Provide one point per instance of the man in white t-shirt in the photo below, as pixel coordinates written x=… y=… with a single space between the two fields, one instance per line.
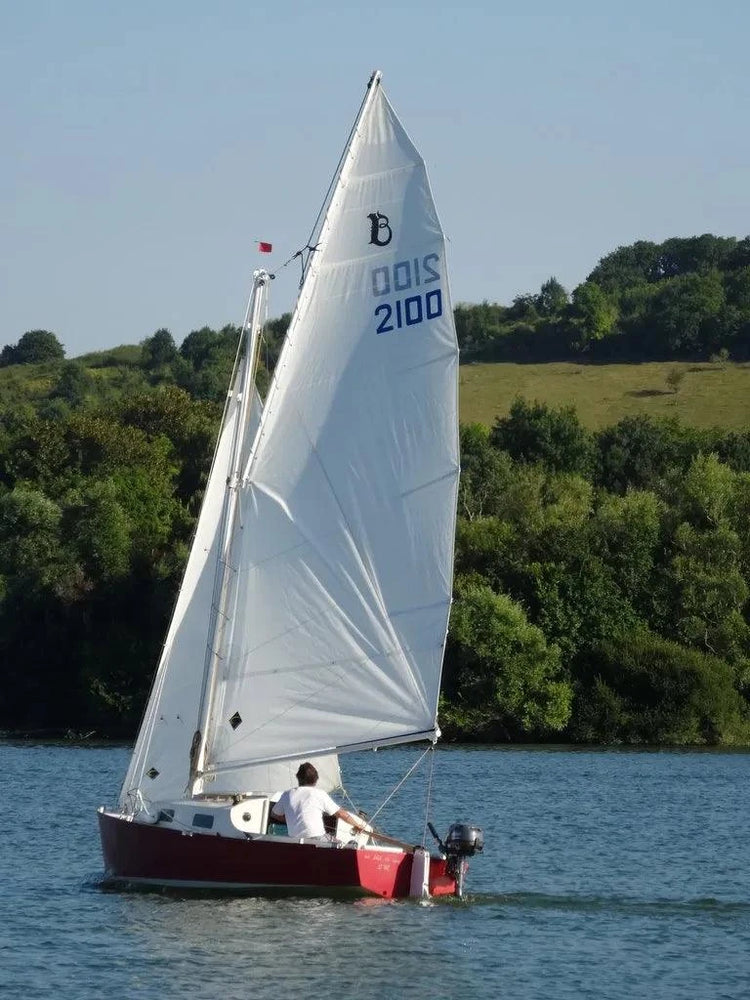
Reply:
x=302 y=808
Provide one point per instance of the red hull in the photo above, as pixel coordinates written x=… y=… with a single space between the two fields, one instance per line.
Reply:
x=135 y=852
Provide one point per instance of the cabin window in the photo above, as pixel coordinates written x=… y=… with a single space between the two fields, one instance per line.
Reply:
x=203 y=820
x=166 y=816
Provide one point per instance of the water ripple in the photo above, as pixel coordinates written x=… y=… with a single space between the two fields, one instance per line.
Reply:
x=605 y=875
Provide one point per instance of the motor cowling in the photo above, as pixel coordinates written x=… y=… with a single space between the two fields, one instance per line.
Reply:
x=463 y=840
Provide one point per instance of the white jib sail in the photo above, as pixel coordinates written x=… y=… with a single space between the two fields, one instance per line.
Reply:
x=159 y=767
x=344 y=540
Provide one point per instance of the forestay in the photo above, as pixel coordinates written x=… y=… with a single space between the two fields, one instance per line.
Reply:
x=344 y=535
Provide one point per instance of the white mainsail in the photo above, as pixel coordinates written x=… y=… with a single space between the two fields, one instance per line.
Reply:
x=340 y=535
x=344 y=539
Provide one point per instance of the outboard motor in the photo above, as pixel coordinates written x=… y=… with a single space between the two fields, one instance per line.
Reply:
x=462 y=841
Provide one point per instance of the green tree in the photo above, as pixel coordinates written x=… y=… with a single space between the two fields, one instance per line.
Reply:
x=190 y=425
x=711 y=591
x=738 y=517
x=98 y=529
x=552 y=298
x=535 y=432
x=683 y=315
x=159 y=349
x=638 y=451
x=37 y=453
x=209 y=357
x=30 y=543
x=578 y=602
x=502 y=675
x=653 y=262
x=199 y=346
x=34 y=346
x=524 y=307
x=274 y=333
x=702 y=494
x=486 y=474
x=640 y=688
x=73 y=384
x=626 y=534
x=693 y=255
x=675 y=378
x=480 y=326
x=706 y=588
x=626 y=266
x=592 y=315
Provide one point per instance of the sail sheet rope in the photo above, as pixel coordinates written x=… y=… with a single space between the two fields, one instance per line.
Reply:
x=428 y=797
x=388 y=798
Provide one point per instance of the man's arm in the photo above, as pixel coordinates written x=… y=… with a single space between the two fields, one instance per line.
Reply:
x=277 y=812
x=355 y=821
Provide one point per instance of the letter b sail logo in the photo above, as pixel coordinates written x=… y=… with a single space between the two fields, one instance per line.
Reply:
x=380 y=231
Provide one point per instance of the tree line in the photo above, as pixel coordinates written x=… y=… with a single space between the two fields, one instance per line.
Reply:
x=602 y=578
x=602 y=582
x=683 y=298
x=103 y=461
x=601 y=588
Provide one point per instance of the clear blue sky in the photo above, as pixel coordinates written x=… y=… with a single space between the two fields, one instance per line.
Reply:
x=145 y=146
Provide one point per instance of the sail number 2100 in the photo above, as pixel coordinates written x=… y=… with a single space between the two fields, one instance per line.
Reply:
x=403 y=276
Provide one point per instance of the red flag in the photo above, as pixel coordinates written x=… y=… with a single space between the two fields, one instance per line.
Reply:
x=265 y=247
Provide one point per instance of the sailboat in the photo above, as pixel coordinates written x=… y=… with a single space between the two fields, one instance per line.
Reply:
x=312 y=616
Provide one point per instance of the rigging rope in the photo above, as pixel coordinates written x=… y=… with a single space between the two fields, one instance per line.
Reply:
x=303 y=261
x=408 y=773
x=428 y=799
x=311 y=247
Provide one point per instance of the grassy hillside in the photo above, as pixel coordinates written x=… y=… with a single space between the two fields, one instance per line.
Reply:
x=708 y=395
x=110 y=373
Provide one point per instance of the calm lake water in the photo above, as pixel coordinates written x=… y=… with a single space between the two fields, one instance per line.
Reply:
x=605 y=875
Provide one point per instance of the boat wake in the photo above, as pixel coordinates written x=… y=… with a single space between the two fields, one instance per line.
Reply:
x=659 y=907
x=616 y=905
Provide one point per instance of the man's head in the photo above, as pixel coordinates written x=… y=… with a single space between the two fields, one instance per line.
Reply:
x=307 y=774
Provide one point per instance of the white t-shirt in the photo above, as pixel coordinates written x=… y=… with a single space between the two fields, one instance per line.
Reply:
x=303 y=809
